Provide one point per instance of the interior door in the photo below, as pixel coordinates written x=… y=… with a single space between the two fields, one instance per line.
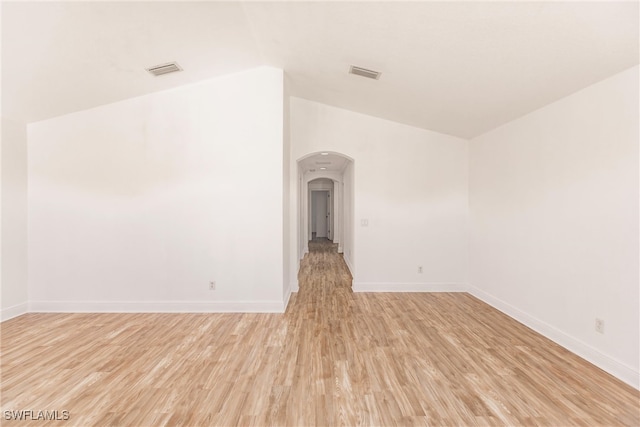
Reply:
x=320 y=209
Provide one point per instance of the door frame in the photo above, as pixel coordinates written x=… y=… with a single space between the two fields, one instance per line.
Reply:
x=330 y=208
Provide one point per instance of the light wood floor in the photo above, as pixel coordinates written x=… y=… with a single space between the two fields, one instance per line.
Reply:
x=335 y=358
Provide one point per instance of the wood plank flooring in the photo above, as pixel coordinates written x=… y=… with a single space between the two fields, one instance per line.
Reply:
x=334 y=358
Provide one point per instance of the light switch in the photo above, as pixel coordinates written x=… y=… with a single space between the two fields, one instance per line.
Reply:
x=364 y=222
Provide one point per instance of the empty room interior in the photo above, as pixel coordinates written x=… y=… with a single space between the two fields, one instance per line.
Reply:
x=320 y=213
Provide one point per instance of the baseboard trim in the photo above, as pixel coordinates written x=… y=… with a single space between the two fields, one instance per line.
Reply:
x=409 y=287
x=349 y=266
x=608 y=364
x=14 y=311
x=287 y=297
x=156 y=306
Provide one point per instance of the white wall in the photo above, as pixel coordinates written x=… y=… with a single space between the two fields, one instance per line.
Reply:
x=349 y=219
x=13 y=274
x=137 y=205
x=554 y=208
x=411 y=186
x=287 y=215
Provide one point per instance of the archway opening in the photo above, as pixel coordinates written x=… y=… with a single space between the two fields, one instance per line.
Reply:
x=321 y=210
x=325 y=202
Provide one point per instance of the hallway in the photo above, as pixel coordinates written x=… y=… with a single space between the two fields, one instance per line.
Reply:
x=323 y=271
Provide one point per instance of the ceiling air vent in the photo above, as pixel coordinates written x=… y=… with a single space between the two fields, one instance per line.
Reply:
x=170 y=67
x=359 y=71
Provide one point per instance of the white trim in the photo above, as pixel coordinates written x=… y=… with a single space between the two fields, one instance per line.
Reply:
x=295 y=287
x=348 y=262
x=616 y=368
x=157 y=306
x=409 y=287
x=287 y=297
x=340 y=249
x=13 y=311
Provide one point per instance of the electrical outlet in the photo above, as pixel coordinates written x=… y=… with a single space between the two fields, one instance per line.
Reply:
x=600 y=326
x=420 y=269
x=212 y=286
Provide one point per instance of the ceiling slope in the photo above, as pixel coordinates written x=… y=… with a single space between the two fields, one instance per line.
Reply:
x=460 y=68
x=60 y=57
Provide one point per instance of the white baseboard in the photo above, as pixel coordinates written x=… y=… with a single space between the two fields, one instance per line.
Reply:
x=157 y=306
x=13 y=311
x=408 y=287
x=616 y=368
x=349 y=266
x=287 y=296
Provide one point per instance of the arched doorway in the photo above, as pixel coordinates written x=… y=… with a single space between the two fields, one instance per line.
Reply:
x=322 y=209
x=327 y=175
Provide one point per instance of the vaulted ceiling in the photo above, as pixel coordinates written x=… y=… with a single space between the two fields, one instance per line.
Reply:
x=460 y=68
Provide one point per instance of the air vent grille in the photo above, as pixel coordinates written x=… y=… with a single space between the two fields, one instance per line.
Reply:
x=363 y=72
x=170 y=67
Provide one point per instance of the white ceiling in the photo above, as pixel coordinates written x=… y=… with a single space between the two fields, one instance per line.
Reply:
x=330 y=162
x=460 y=68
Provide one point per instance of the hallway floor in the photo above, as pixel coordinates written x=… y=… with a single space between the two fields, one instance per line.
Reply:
x=334 y=358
